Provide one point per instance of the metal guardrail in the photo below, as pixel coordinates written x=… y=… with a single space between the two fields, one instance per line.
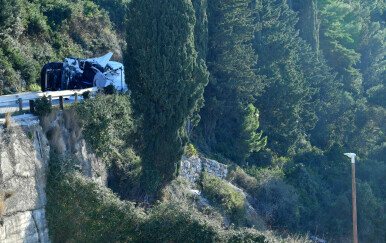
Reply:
x=19 y=99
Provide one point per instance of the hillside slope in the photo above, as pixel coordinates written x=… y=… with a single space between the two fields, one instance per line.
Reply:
x=33 y=33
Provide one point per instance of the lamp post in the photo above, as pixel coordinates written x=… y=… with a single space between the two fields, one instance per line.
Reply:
x=354 y=203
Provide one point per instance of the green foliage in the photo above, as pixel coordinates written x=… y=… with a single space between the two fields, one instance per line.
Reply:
x=225 y=196
x=275 y=200
x=38 y=32
x=190 y=151
x=80 y=210
x=167 y=79
x=43 y=106
x=109 y=89
x=108 y=128
x=107 y=124
x=246 y=235
x=339 y=37
x=246 y=139
x=117 y=10
x=234 y=83
x=174 y=222
x=287 y=107
x=86 y=95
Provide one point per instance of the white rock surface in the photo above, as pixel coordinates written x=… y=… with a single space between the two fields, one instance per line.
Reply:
x=191 y=168
x=24 y=157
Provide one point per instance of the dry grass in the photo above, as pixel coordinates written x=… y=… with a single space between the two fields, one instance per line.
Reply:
x=3 y=197
x=7 y=123
x=72 y=122
x=47 y=121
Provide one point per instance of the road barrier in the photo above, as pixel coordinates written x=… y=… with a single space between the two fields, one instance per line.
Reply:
x=16 y=100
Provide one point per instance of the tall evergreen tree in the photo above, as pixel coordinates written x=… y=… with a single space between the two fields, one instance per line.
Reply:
x=309 y=23
x=234 y=82
x=166 y=81
x=287 y=106
x=339 y=37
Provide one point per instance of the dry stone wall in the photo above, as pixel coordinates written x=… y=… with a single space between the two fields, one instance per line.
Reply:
x=191 y=168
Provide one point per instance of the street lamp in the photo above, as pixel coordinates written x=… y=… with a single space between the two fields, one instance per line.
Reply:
x=354 y=203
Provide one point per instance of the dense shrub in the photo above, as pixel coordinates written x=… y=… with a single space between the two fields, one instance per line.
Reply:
x=246 y=235
x=86 y=95
x=107 y=124
x=242 y=179
x=80 y=210
x=109 y=130
x=110 y=89
x=271 y=196
x=225 y=196
x=43 y=106
x=173 y=222
x=190 y=151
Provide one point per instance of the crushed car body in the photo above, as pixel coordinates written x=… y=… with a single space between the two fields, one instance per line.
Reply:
x=75 y=73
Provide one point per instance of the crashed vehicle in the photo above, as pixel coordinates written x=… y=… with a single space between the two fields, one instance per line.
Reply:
x=75 y=73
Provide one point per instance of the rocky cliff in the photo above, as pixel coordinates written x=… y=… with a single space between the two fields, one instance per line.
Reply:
x=24 y=158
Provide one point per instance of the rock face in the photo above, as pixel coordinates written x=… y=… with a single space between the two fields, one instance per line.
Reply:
x=23 y=171
x=191 y=168
x=24 y=158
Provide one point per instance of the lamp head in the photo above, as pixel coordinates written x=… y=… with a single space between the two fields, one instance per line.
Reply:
x=352 y=156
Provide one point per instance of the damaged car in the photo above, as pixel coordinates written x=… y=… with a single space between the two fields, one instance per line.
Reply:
x=75 y=73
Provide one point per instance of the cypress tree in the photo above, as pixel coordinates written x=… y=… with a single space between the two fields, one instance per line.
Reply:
x=166 y=82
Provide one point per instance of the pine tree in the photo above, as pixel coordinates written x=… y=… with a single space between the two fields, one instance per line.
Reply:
x=309 y=21
x=166 y=82
x=339 y=37
x=234 y=82
x=287 y=106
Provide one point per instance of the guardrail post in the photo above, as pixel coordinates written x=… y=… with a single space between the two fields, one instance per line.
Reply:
x=61 y=102
x=76 y=97
x=20 y=104
x=32 y=106
x=50 y=98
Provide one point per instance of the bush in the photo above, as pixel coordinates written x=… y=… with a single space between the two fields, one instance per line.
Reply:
x=86 y=95
x=274 y=199
x=109 y=89
x=107 y=124
x=109 y=130
x=43 y=106
x=242 y=179
x=175 y=222
x=80 y=210
x=190 y=151
x=245 y=235
x=224 y=196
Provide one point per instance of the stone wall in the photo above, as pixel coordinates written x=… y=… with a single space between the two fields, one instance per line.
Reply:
x=191 y=168
x=24 y=157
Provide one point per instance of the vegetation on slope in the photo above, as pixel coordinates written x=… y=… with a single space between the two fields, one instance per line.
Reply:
x=292 y=86
x=33 y=33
